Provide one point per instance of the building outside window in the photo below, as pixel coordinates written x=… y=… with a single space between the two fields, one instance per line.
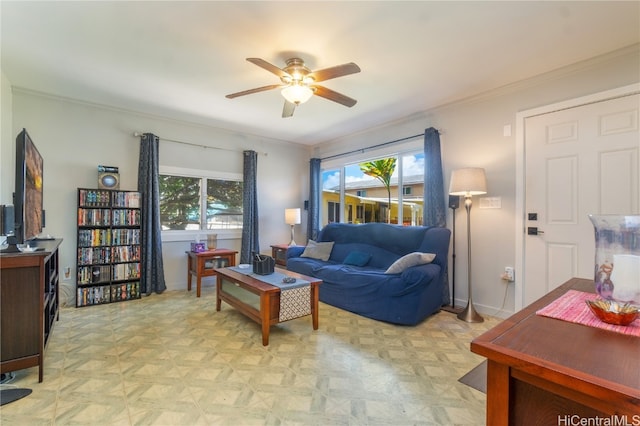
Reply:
x=370 y=196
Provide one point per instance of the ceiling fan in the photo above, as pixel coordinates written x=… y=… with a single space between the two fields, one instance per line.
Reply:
x=299 y=83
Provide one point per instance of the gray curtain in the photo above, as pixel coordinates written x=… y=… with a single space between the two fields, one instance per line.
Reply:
x=152 y=267
x=250 y=240
x=434 y=213
x=315 y=192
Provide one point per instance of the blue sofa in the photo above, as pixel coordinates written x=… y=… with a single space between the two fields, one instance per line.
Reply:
x=399 y=298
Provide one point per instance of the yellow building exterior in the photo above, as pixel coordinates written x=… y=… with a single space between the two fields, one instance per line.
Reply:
x=367 y=201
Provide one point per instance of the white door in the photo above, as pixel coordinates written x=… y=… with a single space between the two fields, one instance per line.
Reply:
x=578 y=161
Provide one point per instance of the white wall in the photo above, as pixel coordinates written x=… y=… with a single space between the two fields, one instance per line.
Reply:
x=7 y=147
x=75 y=137
x=472 y=135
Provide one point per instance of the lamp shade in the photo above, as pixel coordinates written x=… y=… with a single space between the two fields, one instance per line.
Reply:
x=468 y=181
x=292 y=216
x=297 y=93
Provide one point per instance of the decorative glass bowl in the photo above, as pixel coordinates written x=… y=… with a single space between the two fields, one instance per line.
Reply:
x=612 y=312
x=617 y=259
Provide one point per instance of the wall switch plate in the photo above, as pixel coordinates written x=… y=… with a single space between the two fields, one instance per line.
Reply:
x=490 y=203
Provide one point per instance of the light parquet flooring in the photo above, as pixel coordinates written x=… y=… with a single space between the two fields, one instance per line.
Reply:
x=171 y=359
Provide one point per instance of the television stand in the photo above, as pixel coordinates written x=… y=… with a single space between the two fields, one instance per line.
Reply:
x=29 y=306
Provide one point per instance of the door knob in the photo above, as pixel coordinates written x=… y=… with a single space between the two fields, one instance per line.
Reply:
x=532 y=230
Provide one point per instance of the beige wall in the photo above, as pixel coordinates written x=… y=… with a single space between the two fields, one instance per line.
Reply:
x=7 y=147
x=472 y=134
x=75 y=137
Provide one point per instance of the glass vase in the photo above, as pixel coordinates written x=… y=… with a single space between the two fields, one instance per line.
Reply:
x=617 y=260
x=212 y=241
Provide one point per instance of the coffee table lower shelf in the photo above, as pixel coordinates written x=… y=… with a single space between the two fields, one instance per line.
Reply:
x=257 y=299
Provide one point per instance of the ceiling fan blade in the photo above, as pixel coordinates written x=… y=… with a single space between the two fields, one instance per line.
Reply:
x=288 y=109
x=333 y=72
x=256 y=90
x=269 y=67
x=323 y=92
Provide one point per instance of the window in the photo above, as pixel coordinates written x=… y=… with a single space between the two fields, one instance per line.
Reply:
x=333 y=214
x=179 y=202
x=360 y=214
x=330 y=211
x=224 y=204
x=192 y=200
x=385 y=189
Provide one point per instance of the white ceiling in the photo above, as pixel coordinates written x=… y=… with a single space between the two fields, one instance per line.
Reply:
x=180 y=59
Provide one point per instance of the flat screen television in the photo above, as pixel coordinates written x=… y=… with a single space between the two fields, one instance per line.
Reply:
x=28 y=196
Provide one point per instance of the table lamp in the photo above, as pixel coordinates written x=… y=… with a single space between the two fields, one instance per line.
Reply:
x=292 y=217
x=467 y=182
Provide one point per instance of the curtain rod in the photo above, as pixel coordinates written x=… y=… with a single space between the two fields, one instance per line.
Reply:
x=362 y=150
x=139 y=134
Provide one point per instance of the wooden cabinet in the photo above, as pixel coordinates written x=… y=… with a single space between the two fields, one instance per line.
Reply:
x=203 y=264
x=29 y=304
x=109 y=250
x=279 y=253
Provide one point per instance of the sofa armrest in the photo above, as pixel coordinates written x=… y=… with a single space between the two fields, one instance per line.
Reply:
x=419 y=275
x=295 y=251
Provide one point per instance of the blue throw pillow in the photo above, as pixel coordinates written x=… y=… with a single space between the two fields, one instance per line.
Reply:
x=357 y=258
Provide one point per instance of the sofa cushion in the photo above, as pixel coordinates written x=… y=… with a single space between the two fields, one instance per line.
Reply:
x=317 y=250
x=305 y=265
x=409 y=260
x=357 y=258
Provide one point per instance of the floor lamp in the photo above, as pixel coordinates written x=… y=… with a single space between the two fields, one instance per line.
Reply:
x=454 y=203
x=292 y=217
x=467 y=182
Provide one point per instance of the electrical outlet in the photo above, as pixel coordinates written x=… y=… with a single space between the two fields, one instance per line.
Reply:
x=67 y=273
x=509 y=274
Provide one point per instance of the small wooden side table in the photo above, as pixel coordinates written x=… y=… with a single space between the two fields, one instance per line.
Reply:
x=203 y=264
x=279 y=253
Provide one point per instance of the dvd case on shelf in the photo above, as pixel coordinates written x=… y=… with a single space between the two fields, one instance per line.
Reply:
x=108 y=250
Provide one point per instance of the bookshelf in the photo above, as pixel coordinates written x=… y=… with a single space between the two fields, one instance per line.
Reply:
x=109 y=251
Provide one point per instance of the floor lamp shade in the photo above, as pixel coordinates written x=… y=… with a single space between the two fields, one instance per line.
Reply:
x=292 y=217
x=467 y=182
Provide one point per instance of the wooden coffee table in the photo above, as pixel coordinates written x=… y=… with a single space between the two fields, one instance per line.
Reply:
x=258 y=299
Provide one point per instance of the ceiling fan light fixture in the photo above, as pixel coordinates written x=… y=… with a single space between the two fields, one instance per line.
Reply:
x=297 y=93
x=298 y=83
